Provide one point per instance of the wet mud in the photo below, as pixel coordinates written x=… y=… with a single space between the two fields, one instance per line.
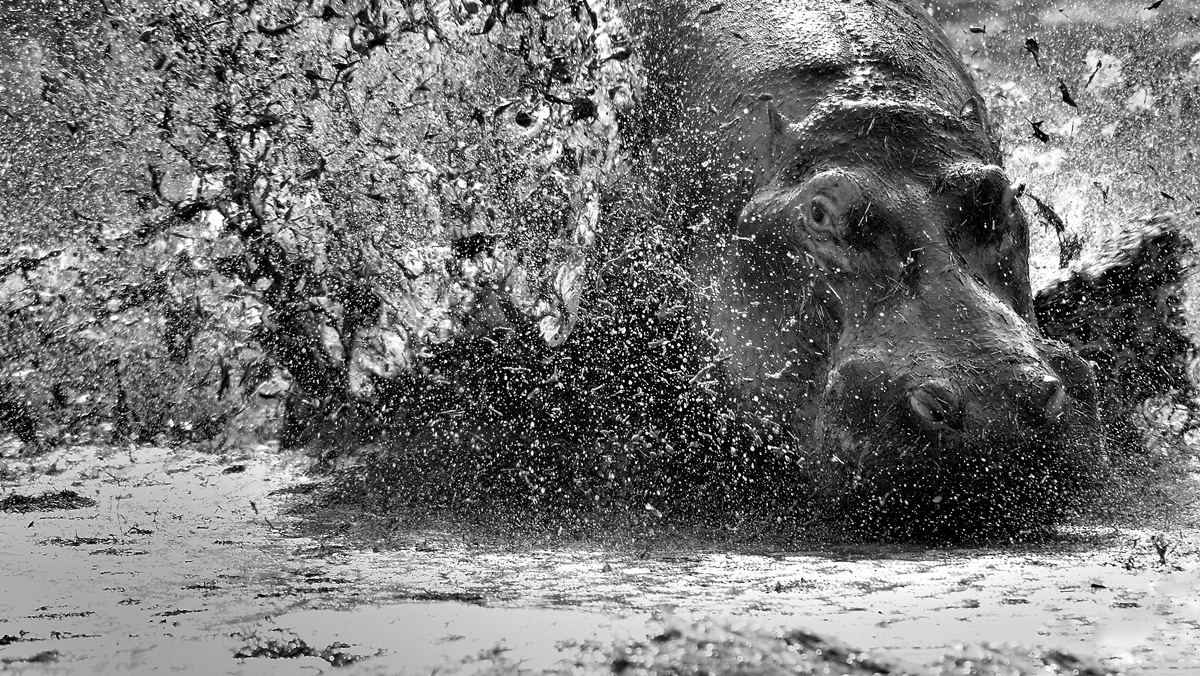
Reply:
x=183 y=565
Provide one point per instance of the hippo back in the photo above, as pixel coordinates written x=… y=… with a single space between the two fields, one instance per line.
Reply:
x=719 y=72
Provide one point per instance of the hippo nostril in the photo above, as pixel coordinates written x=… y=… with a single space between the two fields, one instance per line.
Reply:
x=1045 y=402
x=1056 y=400
x=935 y=402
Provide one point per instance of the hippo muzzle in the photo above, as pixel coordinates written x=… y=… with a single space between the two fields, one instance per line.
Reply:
x=948 y=415
x=944 y=412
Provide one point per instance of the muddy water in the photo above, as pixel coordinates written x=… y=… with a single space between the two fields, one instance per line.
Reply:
x=1117 y=601
x=172 y=554
x=188 y=560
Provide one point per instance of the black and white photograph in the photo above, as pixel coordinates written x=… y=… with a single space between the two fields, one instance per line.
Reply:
x=600 y=337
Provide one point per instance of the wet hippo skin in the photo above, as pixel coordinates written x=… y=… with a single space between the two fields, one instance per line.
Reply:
x=866 y=262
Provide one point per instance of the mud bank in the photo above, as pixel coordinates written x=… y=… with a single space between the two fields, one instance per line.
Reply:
x=188 y=562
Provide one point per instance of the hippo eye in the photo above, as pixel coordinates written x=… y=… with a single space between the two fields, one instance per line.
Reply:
x=821 y=211
x=827 y=200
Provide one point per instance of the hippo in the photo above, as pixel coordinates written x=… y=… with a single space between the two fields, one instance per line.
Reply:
x=865 y=263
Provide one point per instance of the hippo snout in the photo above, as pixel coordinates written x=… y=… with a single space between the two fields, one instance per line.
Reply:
x=940 y=404
x=925 y=446
x=961 y=400
x=871 y=394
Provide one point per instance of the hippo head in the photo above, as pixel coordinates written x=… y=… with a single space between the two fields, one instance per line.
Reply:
x=876 y=305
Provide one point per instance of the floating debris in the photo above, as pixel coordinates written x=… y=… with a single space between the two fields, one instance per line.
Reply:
x=46 y=502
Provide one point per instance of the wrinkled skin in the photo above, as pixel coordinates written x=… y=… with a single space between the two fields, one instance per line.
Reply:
x=867 y=263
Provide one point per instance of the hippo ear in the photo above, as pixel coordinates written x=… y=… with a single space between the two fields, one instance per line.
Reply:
x=777 y=122
x=971 y=111
x=774 y=141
